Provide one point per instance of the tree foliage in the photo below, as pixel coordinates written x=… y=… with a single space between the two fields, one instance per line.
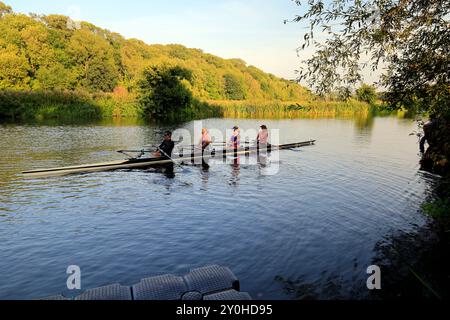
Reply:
x=409 y=39
x=367 y=93
x=164 y=91
x=93 y=61
x=234 y=87
x=13 y=68
x=53 y=53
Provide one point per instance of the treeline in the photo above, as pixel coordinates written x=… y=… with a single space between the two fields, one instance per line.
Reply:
x=52 y=52
x=51 y=66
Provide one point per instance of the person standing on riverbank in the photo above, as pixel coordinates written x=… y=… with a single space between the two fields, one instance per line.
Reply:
x=427 y=136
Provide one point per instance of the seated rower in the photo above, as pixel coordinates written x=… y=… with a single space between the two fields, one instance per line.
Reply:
x=235 y=140
x=206 y=140
x=166 y=147
x=263 y=137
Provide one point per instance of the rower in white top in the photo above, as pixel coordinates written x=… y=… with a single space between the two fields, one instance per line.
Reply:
x=206 y=140
x=263 y=137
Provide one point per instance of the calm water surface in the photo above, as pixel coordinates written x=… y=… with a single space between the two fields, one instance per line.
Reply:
x=313 y=226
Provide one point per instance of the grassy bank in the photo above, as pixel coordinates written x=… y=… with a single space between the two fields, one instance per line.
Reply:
x=66 y=105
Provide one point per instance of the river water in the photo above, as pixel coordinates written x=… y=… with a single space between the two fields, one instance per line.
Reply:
x=310 y=230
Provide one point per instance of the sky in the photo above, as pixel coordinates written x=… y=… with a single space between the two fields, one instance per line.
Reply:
x=252 y=30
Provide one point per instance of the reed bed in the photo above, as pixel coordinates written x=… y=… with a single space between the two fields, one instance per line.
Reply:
x=63 y=105
x=289 y=109
x=45 y=105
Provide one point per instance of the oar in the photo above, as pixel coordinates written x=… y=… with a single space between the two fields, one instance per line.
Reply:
x=155 y=146
x=173 y=161
x=125 y=152
x=225 y=143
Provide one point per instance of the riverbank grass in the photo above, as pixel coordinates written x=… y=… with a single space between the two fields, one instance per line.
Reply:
x=40 y=105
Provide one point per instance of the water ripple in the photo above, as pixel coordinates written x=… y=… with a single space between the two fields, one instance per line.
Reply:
x=310 y=229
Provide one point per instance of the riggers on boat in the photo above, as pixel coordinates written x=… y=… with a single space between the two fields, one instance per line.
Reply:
x=142 y=163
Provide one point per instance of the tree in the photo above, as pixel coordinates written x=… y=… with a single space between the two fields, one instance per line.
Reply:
x=56 y=21
x=48 y=52
x=410 y=38
x=383 y=31
x=53 y=77
x=14 y=68
x=234 y=88
x=133 y=62
x=93 y=61
x=35 y=46
x=367 y=94
x=4 y=9
x=164 y=92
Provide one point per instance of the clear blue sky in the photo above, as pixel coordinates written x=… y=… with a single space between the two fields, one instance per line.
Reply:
x=252 y=30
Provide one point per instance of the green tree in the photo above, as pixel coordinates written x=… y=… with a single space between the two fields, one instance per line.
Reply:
x=14 y=68
x=134 y=60
x=234 y=88
x=56 y=21
x=93 y=61
x=35 y=46
x=40 y=52
x=53 y=77
x=164 y=92
x=411 y=38
x=367 y=94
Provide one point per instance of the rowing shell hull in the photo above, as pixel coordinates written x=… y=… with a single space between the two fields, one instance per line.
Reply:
x=152 y=162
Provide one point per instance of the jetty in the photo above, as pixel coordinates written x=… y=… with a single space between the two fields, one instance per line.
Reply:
x=211 y=283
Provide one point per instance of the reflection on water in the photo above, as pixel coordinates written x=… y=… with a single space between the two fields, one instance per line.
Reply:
x=364 y=124
x=235 y=170
x=311 y=230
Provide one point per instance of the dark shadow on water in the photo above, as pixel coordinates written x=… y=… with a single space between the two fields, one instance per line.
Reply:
x=332 y=287
x=414 y=265
x=417 y=264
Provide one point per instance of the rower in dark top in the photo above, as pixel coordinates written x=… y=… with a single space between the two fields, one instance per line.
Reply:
x=166 y=147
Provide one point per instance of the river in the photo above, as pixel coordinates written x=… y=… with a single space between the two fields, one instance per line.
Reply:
x=310 y=230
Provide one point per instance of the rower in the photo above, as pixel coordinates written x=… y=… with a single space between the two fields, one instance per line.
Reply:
x=236 y=138
x=206 y=140
x=263 y=137
x=166 y=147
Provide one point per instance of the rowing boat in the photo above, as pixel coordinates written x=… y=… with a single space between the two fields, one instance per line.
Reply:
x=135 y=163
